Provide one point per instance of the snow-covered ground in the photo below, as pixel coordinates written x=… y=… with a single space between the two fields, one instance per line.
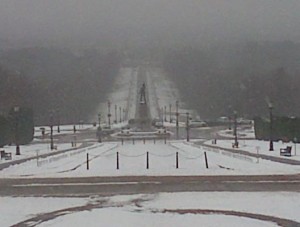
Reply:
x=161 y=156
x=64 y=129
x=31 y=150
x=247 y=142
x=261 y=147
x=163 y=93
x=242 y=132
x=123 y=95
x=150 y=210
x=132 y=160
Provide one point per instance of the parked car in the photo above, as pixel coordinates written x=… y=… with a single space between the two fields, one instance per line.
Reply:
x=106 y=130
x=161 y=131
x=197 y=124
x=125 y=132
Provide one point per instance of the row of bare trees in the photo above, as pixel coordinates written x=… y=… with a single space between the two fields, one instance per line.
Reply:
x=44 y=79
x=218 y=80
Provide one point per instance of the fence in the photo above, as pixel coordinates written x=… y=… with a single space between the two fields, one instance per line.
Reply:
x=178 y=155
x=148 y=154
x=227 y=153
x=46 y=160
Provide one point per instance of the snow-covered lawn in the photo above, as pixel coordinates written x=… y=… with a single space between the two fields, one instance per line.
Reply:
x=33 y=150
x=64 y=129
x=133 y=161
x=261 y=147
x=123 y=94
x=14 y=210
x=242 y=133
x=163 y=93
x=148 y=209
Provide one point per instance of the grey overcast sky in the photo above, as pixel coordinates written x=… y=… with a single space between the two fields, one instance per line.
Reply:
x=87 y=20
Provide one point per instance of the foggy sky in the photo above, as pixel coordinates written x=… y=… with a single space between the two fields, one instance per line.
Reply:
x=142 y=21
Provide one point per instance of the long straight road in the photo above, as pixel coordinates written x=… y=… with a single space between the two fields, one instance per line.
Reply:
x=143 y=184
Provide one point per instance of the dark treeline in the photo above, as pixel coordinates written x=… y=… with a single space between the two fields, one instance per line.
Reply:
x=56 y=80
x=218 y=80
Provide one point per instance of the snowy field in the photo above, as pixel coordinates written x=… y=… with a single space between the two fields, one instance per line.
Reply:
x=123 y=94
x=133 y=161
x=35 y=150
x=150 y=209
x=247 y=142
x=64 y=129
x=163 y=93
x=242 y=132
x=261 y=147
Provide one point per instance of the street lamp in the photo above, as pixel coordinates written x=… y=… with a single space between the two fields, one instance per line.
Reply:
x=295 y=144
x=120 y=111
x=295 y=139
x=162 y=116
x=99 y=130
x=165 y=113
x=177 y=115
x=236 y=143
x=108 y=114
x=229 y=117
x=116 y=114
x=177 y=123
x=170 y=110
x=16 y=112
x=58 y=121
x=271 y=148
x=51 y=131
x=124 y=114
x=99 y=119
x=187 y=127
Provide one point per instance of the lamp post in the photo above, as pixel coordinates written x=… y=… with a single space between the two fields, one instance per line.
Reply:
x=229 y=117
x=294 y=132
x=16 y=112
x=99 y=130
x=51 y=131
x=187 y=127
x=170 y=112
x=120 y=111
x=162 y=116
x=177 y=119
x=271 y=148
x=236 y=143
x=124 y=115
x=165 y=113
x=99 y=119
x=116 y=114
x=58 y=121
x=177 y=115
x=108 y=114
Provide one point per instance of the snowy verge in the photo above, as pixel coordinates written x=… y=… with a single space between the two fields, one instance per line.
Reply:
x=148 y=210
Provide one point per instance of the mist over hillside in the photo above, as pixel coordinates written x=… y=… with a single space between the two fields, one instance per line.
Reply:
x=245 y=78
x=56 y=80
x=223 y=55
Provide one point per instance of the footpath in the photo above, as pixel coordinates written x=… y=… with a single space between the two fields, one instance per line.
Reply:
x=19 y=161
x=247 y=153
